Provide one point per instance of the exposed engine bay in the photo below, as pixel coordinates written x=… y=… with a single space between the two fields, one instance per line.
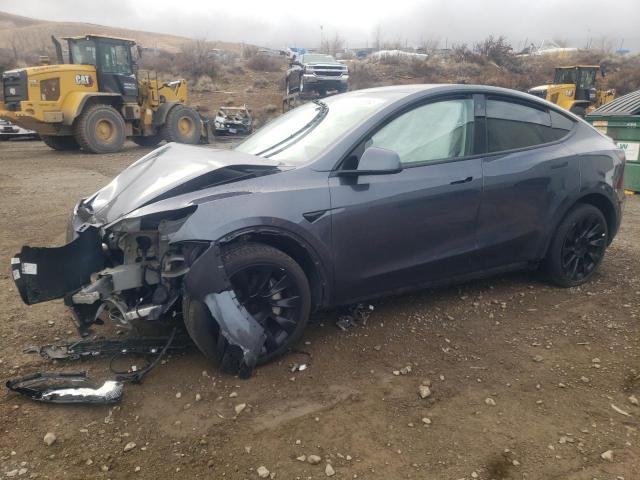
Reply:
x=149 y=246
x=131 y=272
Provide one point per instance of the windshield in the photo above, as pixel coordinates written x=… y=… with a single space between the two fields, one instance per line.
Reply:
x=301 y=134
x=83 y=52
x=565 y=75
x=318 y=58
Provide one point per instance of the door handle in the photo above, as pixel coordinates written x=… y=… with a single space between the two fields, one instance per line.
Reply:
x=464 y=180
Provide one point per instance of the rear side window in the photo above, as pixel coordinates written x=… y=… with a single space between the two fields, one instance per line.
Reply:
x=513 y=125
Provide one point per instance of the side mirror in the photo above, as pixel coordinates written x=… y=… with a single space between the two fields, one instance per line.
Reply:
x=376 y=161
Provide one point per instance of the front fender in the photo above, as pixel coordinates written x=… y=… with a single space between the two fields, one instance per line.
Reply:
x=75 y=103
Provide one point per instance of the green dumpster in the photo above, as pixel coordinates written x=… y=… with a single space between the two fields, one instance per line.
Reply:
x=620 y=120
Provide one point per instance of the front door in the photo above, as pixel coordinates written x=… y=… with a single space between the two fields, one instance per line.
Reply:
x=415 y=227
x=115 y=69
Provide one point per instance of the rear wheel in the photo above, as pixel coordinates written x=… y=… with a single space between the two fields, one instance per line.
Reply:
x=182 y=125
x=100 y=129
x=148 y=141
x=578 y=246
x=272 y=287
x=62 y=143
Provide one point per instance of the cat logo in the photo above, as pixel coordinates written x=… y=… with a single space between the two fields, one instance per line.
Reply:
x=84 y=80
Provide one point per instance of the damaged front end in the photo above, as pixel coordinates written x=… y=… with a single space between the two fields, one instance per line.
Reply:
x=131 y=271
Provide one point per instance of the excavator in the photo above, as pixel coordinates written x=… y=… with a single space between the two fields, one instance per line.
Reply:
x=98 y=98
x=574 y=89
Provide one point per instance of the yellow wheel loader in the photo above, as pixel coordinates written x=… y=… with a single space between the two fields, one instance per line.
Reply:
x=98 y=99
x=574 y=89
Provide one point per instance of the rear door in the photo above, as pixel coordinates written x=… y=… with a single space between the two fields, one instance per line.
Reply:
x=528 y=174
x=407 y=229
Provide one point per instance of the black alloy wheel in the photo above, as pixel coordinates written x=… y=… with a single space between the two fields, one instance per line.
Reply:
x=275 y=291
x=578 y=246
x=584 y=247
x=271 y=295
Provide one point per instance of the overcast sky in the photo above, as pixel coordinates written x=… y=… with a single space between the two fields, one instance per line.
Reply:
x=277 y=23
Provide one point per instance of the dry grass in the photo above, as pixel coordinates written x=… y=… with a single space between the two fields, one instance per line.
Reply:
x=264 y=63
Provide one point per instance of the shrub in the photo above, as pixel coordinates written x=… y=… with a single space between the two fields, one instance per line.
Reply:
x=260 y=83
x=264 y=63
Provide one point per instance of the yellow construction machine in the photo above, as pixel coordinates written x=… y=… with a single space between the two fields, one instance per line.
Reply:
x=574 y=89
x=98 y=98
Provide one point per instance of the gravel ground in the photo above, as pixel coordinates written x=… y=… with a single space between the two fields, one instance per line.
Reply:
x=523 y=377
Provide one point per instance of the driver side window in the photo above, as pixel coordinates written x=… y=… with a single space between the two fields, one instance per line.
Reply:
x=434 y=132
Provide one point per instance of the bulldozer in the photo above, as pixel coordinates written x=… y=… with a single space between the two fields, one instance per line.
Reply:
x=98 y=99
x=574 y=89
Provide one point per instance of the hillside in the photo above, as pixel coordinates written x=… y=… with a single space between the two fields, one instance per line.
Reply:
x=28 y=34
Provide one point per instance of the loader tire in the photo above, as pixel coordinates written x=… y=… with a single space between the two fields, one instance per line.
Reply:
x=62 y=143
x=148 y=141
x=100 y=129
x=182 y=125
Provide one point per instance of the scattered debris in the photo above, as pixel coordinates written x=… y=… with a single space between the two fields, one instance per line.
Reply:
x=424 y=391
x=405 y=370
x=302 y=458
x=329 y=471
x=63 y=387
x=608 y=455
x=633 y=400
x=112 y=346
x=537 y=358
x=239 y=408
x=314 y=459
x=50 y=438
x=129 y=446
x=490 y=401
x=620 y=411
x=298 y=367
x=358 y=313
x=263 y=472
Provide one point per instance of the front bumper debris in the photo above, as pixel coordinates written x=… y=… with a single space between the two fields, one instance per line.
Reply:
x=43 y=274
x=64 y=387
x=84 y=349
x=207 y=283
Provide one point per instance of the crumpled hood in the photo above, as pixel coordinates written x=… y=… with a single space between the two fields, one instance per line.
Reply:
x=170 y=170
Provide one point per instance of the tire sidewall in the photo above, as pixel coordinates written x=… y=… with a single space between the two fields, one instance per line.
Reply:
x=90 y=122
x=554 y=255
x=171 y=131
